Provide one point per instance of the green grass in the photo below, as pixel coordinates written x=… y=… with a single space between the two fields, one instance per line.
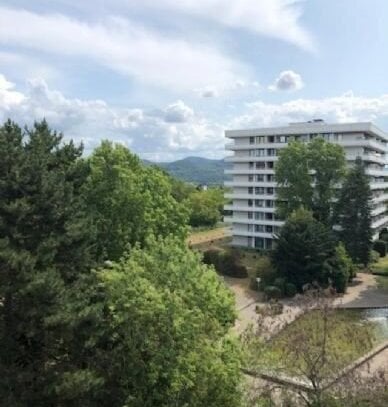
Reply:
x=381 y=267
x=350 y=336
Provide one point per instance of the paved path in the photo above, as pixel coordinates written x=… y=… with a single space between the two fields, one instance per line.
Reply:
x=363 y=293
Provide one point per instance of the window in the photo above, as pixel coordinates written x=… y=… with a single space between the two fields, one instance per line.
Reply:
x=250 y=228
x=271 y=139
x=283 y=139
x=268 y=229
x=271 y=152
x=251 y=140
x=270 y=164
x=260 y=178
x=251 y=165
x=270 y=191
x=259 y=203
x=250 y=190
x=259 y=228
x=260 y=139
x=268 y=216
x=260 y=165
x=260 y=152
x=269 y=204
x=250 y=215
x=252 y=153
x=268 y=244
x=259 y=215
x=270 y=178
x=259 y=190
x=250 y=202
x=259 y=243
x=250 y=178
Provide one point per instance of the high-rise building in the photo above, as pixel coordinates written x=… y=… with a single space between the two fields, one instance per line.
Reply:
x=253 y=196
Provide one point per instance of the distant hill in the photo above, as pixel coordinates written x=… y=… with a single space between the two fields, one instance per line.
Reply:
x=197 y=170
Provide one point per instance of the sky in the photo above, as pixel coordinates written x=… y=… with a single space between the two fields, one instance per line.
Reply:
x=166 y=78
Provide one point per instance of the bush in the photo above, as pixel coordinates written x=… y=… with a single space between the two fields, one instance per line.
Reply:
x=374 y=256
x=290 y=290
x=280 y=283
x=265 y=271
x=380 y=247
x=272 y=292
x=226 y=262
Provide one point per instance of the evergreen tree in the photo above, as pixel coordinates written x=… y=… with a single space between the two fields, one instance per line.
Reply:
x=354 y=213
x=303 y=249
x=45 y=242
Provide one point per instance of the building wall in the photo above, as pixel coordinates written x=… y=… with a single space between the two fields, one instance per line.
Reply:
x=254 y=190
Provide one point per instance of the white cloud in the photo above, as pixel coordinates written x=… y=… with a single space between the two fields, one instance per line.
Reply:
x=122 y=46
x=209 y=92
x=288 y=81
x=272 y=18
x=172 y=131
x=344 y=108
x=178 y=112
x=185 y=132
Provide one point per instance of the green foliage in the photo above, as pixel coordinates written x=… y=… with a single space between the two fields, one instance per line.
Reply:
x=206 y=207
x=161 y=338
x=129 y=201
x=302 y=251
x=374 y=256
x=341 y=269
x=226 y=262
x=46 y=243
x=265 y=271
x=353 y=214
x=290 y=290
x=273 y=292
x=380 y=246
x=302 y=164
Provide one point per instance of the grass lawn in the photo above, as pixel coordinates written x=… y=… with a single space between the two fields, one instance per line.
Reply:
x=351 y=334
x=381 y=267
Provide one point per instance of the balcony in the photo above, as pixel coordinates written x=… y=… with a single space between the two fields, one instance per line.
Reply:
x=247 y=158
x=380 y=222
x=250 y=184
x=252 y=171
x=239 y=219
x=381 y=198
x=378 y=185
x=252 y=234
x=246 y=208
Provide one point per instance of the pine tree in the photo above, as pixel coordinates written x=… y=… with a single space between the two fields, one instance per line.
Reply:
x=45 y=243
x=354 y=214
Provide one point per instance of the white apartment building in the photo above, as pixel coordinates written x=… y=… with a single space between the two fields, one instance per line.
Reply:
x=253 y=196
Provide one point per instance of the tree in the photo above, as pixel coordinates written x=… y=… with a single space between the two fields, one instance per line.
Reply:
x=46 y=242
x=354 y=213
x=206 y=207
x=129 y=201
x=303 y=249
x=308 y=175
x=158 y=323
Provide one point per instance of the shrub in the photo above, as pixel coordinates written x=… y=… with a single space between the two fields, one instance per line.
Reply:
x=265 y=271
x=380 y=247
x=280 y=283
x=374 y=256
x=290 y=290
x=272 y=292
x=226 y=262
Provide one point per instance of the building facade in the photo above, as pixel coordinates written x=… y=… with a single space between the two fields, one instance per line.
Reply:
x=253 y=196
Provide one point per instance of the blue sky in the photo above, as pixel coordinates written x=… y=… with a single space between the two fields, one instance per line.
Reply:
x=167 y=77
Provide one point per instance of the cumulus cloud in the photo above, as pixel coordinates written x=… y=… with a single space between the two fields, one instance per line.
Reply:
x=122 y=46
x=178 y=112
x=168 y=132
x=287 y=81
x=344 y=108
x=172 y=131
x=272 y=18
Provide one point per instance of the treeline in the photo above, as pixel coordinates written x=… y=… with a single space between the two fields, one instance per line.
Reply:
x=101 y=301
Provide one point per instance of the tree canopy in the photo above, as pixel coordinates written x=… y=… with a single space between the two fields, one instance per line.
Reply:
x=307 y=175
x=129 y=201
x=353 y=213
